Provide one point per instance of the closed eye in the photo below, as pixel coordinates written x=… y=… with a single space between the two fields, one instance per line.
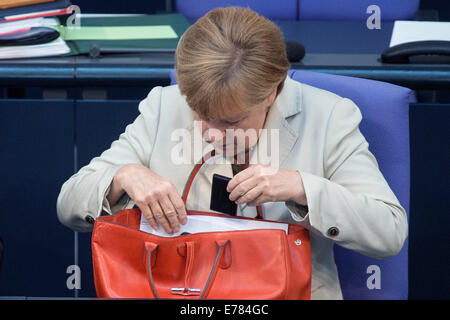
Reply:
x=232 y=123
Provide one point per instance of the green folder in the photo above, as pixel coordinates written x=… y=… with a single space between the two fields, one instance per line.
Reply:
x=156 y=31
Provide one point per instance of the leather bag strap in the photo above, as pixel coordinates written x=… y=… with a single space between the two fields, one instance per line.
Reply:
x=152 y=250
x=195 y=171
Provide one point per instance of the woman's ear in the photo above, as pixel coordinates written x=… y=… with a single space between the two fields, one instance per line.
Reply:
x=271 y=98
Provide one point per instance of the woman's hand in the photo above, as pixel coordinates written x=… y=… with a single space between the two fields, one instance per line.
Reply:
x=259 y=184
x=157 y=197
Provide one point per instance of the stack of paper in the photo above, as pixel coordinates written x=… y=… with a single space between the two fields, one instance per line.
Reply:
x=411 y=31
x=20 y=16
x=22 y=10
x=55 y=47
x=204 y=223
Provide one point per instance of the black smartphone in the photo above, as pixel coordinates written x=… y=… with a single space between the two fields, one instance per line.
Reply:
x=219 y=196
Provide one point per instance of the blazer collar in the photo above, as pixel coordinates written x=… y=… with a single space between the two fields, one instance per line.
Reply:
x=287 y=104
x=289 y=100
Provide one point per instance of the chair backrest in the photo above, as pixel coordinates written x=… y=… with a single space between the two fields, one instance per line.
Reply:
x=356 y=9
x=307 y=9
x=275 y=10
x=385 y=125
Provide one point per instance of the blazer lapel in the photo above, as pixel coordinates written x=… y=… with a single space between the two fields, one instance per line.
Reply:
x=275 y=144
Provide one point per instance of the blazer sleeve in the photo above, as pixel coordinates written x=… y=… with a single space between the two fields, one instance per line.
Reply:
x=353 y=204
x=84 y=194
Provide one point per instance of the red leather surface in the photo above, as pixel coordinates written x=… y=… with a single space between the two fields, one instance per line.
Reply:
x=248 y=264
x=252 y=264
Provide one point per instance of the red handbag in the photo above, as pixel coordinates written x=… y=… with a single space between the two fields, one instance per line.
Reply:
x=241 y=264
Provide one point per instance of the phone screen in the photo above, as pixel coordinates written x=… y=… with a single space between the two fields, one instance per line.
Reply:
x=220 y=196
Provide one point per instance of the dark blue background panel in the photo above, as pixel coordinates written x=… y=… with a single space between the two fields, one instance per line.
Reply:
x=120 y=6
x=344 y=37
x=357 y=9
x=99 y=123
x=36 y=158
x=429 y=240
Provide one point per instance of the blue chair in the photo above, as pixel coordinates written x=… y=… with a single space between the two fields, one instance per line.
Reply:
x=306 y=9
x=356 y=9
x=275 y=10
x=385 y=124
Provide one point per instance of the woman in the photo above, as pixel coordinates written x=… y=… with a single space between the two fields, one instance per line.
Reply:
x=231 y=68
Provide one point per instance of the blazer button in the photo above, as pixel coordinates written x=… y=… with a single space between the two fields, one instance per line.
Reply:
x=89 y=219
x=333 y=232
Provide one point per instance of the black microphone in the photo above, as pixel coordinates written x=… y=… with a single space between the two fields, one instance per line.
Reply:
x=295 y=51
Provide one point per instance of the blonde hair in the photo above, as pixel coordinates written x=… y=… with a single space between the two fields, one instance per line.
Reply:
x=228 y=60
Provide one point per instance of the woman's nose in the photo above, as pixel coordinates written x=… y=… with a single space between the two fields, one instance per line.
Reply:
x=212 y=133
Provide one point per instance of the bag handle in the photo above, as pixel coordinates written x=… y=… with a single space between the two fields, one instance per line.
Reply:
x=187 y=251
x=152 y=250
x=194 y=172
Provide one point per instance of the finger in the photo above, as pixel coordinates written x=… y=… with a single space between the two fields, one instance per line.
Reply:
x=170 y=213
x=261 y=199
x=243 y=188
x=250 y=196
x=160 y=217
x=147 y=212
x=240 y=177
x=180 y=208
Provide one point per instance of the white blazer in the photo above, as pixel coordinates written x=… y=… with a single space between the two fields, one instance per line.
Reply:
x=350 y=202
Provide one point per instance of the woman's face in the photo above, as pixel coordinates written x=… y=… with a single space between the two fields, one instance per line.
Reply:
x=236 y=135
